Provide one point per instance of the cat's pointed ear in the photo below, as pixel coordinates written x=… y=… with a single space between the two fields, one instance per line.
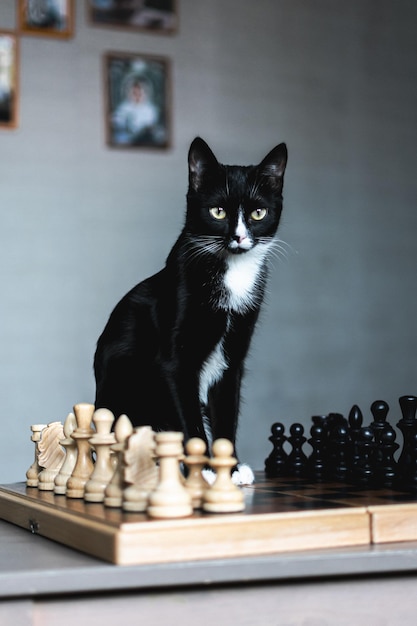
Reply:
x=274 y=164
x=200 y=161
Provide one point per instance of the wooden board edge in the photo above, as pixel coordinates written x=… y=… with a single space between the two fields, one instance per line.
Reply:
x=187 y=539
x=242 y=536
x=93 y=538
x=395 y=522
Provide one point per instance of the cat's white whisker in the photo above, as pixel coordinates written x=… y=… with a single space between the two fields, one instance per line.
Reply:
x=205 y=246
x=278 y=253
x=285 y=245
x=280 y=250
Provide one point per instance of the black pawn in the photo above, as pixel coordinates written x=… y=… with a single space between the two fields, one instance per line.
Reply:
x=297 y=460
x=408 y=427
x=364 y=472
x=316 y=465
x=386 y=468
x=379 y=410
x=276 y=462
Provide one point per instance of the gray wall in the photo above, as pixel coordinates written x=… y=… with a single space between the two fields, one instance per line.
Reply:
x=81 y=223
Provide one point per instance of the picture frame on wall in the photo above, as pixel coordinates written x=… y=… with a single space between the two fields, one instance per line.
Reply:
x=9 y=79
x=154 y=16
x=137 y=100
x=47 y=18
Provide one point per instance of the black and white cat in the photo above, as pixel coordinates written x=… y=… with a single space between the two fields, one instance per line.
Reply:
x=172 y=353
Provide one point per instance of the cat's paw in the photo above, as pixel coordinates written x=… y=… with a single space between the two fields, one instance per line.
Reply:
x=243 y=475
x=209 y=475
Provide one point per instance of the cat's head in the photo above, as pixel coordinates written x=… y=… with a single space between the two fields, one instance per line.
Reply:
x=231 y=209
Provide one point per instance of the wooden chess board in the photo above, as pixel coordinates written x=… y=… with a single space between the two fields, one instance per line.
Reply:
x=280 y=515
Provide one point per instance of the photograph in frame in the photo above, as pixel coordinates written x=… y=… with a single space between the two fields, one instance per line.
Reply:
x=137 y=99
x=9 y=79
x=155 y=16
x=48 y=18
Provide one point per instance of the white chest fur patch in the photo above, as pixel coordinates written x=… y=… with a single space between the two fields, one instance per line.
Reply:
x=241 y=277
x=212 y=371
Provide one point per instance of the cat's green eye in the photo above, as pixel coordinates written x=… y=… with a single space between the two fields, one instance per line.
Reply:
x=217 y=212
x=258 y=214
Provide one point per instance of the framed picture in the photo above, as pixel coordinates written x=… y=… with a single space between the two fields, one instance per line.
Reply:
x=49 y=18
x=9 y=79
x=138 y=100
x=157 y=16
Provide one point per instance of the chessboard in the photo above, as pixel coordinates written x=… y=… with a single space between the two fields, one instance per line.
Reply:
x=280 y=515
x=120 y=494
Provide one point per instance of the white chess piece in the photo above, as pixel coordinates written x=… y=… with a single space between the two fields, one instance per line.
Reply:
x=70 y=447
x=51 y=455
x=34 y=470
x=141 y=469
x=101 y=441
x=170 y=499
x=195 y=460
x=223 y=496
x=113 y=494
x=84 y=464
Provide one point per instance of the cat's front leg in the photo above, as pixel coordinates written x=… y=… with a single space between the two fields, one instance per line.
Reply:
x=223 y=409
x=186 y=404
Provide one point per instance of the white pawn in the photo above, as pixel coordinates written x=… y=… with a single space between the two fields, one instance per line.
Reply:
x=223 y=496
x=68 y=465
x=170 y=499
x=101 y=441
x=195 y=460
x=113 y=494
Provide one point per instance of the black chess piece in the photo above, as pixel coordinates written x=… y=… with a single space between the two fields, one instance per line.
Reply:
x=318 y=420
x=275 y=464
x=333 y=421
x=412 y=479
x=379 y=410
x=355 y=421
x=408 y=427
x=386 y=466
x=331 y=424
x=363 y=471
x=316 y=463
x=297 y=459
x=339 y=462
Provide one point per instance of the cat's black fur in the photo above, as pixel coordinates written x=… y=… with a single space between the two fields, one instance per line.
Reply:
x=172 y=353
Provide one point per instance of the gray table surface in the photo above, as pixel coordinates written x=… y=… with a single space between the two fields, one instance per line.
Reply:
x=31 y=566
